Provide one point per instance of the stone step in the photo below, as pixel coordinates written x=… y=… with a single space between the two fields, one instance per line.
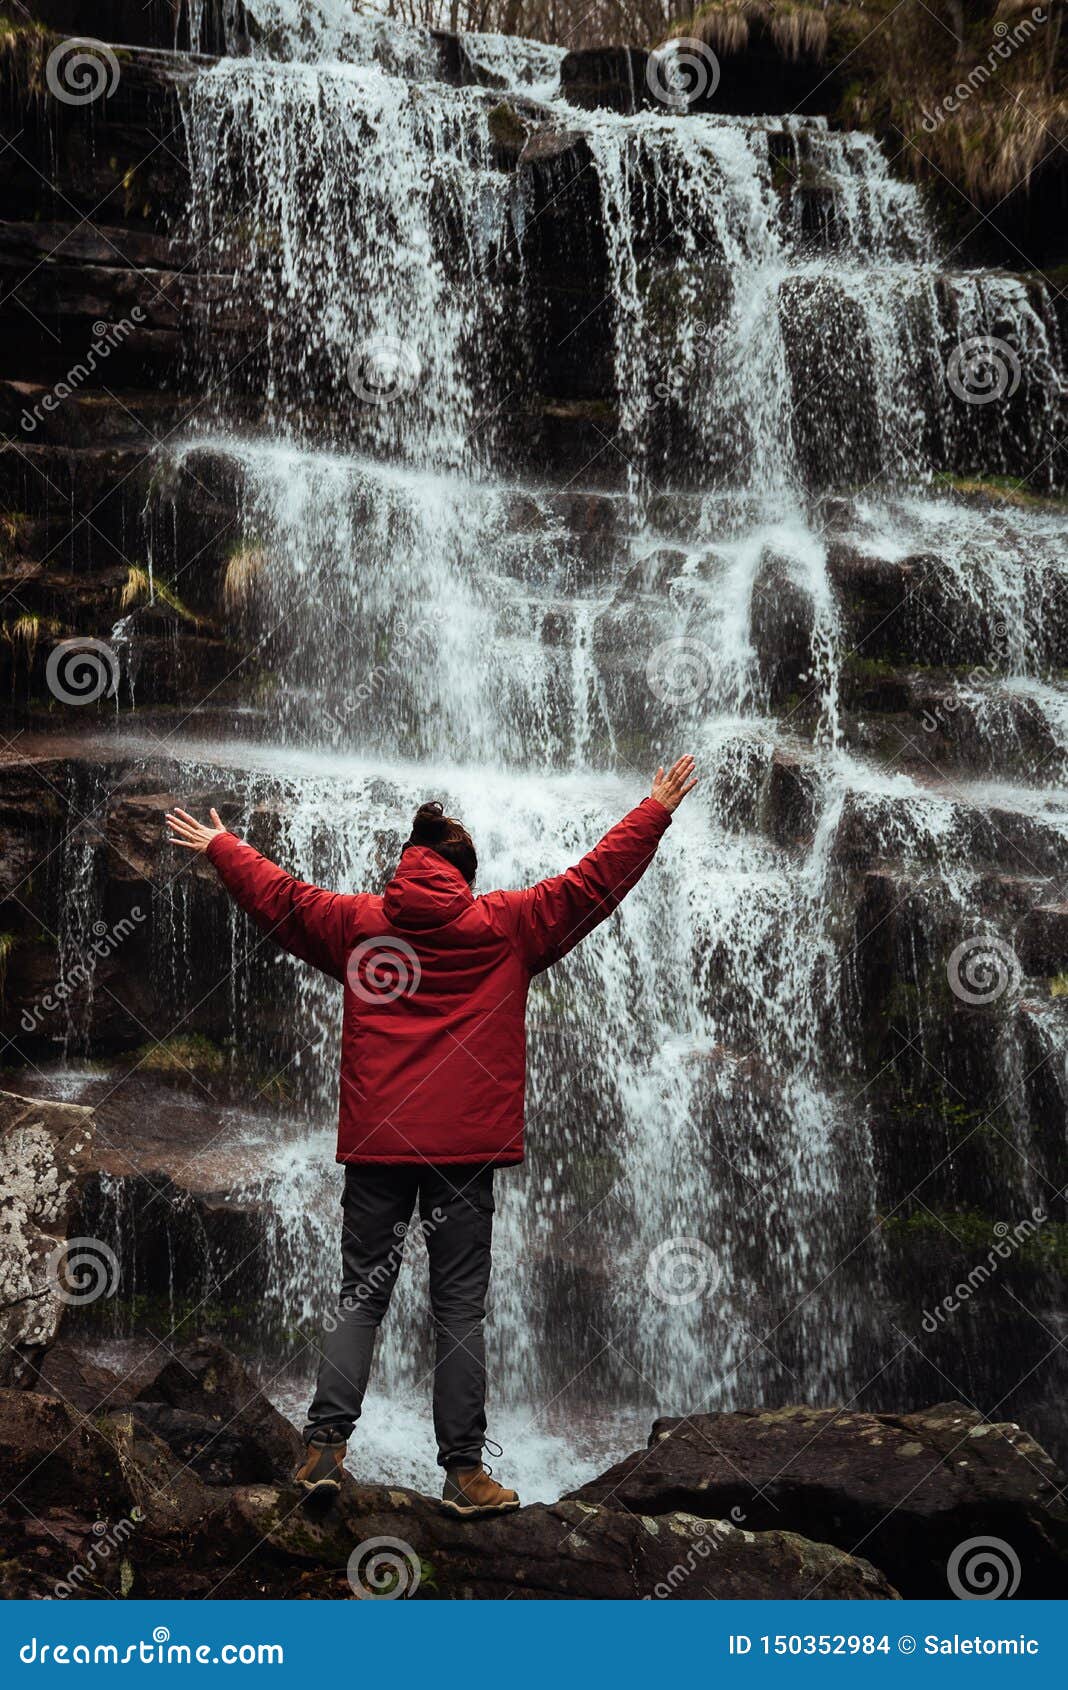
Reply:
x=953 y=826
x=917 y=609
x=936 y=721
x=92 y=334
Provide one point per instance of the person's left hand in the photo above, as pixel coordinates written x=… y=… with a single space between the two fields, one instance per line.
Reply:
x=190 y=834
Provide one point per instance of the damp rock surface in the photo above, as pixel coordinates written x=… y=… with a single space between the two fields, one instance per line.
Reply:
x=905 y=1490
x=186 y=1490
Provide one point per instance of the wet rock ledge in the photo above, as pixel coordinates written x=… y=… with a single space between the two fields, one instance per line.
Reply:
x=175 y=1478
x=174 y=1481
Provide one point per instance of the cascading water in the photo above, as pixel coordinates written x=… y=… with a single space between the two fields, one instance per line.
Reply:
x=700 y=1163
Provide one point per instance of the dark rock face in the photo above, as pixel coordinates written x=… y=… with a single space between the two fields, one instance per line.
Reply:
x=183 y=1490
x=78 y=1381
x=611 y=77
x=1043 y=940
x=206 y=1407
x=904 y=1490
x=159 y=23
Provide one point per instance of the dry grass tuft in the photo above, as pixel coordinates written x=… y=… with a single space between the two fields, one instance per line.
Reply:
x=142 y=588
x=242 y=572
x=726 y=30
x=25 y=631
x=800 y=33
x=797 y=30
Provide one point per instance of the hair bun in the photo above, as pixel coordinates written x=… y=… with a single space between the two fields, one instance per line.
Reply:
x=430 y=826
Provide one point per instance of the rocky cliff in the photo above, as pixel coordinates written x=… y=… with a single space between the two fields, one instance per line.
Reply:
x=174 y=1483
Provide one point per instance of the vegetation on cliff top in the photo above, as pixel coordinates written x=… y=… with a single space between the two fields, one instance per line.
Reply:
x=977 y=90
x=978 y=95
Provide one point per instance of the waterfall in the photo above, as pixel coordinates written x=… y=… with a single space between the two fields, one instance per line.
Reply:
x=781 y=322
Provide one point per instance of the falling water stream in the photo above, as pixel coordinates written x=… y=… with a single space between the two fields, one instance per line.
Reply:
x=694 y=1225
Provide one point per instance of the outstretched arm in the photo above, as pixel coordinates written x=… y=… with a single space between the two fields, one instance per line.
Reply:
x=317 y=926
x=548 y=920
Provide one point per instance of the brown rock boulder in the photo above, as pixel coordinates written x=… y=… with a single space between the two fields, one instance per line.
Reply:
x=389 y=1541
x=904 y=1490
x=207 y=1407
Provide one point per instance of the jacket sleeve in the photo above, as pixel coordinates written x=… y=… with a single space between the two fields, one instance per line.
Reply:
x=546 y=921
x=316 y=926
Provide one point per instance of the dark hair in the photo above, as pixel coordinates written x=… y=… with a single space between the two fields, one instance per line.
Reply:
x=432 y=828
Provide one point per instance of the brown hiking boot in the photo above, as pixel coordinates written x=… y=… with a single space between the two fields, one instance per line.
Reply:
x=472 y=1490
x=323 y=1465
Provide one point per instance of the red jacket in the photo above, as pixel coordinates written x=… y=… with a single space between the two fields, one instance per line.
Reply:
x=433 y=1041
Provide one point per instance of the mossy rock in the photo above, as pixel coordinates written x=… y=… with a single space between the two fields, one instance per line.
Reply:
x=507 y=129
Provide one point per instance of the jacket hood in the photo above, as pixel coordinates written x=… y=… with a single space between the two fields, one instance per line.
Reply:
x=425 y=891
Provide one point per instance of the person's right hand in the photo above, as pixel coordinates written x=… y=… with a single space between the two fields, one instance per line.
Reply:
x=190 y=834
x=670 y=789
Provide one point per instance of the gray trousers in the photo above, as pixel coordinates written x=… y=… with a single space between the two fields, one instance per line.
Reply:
x=456 y=1218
